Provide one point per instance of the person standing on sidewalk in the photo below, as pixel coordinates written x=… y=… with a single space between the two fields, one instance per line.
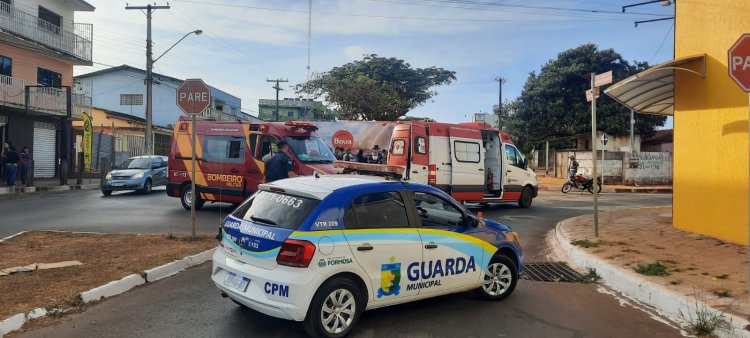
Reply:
x=11 y=166
x=23 y=164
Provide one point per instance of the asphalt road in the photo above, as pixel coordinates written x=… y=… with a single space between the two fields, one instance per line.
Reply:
x=188 y=305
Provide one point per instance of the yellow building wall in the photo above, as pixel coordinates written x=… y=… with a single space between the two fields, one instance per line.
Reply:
x=710 y=123
x=100 y=118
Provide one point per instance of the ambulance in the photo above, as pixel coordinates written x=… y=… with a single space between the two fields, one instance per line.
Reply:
x=473 y=162
x=229 y=157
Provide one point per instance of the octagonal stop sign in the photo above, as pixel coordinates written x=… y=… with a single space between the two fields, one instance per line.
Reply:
x=193 y=96
x=739 y=62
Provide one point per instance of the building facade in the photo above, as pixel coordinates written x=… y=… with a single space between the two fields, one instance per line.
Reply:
x=118 y=136
x=122 y=89
x=710 y=117
x=40 y=42
x=294 y=109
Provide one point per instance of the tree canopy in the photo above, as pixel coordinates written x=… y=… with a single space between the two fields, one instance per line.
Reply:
x=376 y=88
x=553 y=103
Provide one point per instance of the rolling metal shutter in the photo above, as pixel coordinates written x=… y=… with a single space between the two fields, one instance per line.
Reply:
x=43 y=153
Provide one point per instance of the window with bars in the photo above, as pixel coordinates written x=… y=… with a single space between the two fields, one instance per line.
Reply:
x=131 y=99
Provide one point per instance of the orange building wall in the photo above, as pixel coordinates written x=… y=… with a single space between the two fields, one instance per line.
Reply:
x=26 y=62
x=710 y=123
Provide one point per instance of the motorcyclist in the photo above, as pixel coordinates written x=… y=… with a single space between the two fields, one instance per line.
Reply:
x=572 y=167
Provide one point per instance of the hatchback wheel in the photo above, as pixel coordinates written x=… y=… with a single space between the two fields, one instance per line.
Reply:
x=335 y=309
x=500 y=279
x=147 y=187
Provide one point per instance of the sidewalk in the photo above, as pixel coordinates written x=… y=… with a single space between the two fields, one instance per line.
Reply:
x=680 y=274
x=51 y=185
x=548 y=183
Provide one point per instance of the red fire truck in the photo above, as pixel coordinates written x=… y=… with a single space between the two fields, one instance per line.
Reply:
x=473 y=161
x=229 y=156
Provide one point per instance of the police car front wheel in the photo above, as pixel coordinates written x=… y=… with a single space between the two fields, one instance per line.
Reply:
x=335 y=309
x=500 y=279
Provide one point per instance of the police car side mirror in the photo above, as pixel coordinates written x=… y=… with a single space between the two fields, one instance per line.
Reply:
x=472 y=221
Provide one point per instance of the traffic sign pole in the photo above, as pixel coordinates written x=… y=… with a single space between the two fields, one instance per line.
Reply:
x=193 y=97
x=192 y=181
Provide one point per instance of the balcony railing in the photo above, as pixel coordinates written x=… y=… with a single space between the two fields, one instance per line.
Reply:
x=45 y=100
x=76 y=44
x=215 y=114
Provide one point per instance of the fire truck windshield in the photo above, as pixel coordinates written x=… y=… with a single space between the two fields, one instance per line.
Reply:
x=310 y=149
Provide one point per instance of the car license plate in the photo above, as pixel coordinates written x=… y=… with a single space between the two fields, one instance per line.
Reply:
x=237 y=282
x=117 y=184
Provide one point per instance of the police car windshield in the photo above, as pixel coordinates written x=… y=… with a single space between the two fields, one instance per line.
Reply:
x=310 y=149
x=136 y=163
x=276 y=209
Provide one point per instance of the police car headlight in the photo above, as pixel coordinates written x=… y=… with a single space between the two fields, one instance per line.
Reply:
x=109 y=176
x=137 y=176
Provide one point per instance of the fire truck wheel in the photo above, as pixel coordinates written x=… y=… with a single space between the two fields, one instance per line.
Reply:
x=525 y=200
x=186 y=198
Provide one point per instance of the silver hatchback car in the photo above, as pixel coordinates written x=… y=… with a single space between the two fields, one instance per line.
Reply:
x=139 y=173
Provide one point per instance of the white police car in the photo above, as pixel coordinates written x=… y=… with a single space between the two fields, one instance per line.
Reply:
x=323 y=249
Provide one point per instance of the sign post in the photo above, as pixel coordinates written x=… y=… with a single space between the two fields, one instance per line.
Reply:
x=87 y=141
x=193 y=97
x=739 y=71
x=597 y=80
x=604 y=143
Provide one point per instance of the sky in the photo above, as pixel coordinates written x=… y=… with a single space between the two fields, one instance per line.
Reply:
x=246 y=42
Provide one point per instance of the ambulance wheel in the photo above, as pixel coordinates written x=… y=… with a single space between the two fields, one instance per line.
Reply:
x=499 y=280
x=147 y=187
x=107 y=192
x=335 y=309
x=566 y=187
x=526 y=198
x=186 y=198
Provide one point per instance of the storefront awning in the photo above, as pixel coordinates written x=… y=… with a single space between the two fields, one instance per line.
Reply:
x=652 y=91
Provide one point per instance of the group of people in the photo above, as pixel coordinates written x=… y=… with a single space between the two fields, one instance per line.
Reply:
x=376 y=155
x=14 y=164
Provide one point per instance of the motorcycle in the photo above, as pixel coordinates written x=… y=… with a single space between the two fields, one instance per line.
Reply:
x=581 y=183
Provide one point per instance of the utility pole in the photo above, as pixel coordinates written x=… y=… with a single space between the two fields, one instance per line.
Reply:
x=148 y=145
x=278 y=88
x=309 y=37
x=500 y=81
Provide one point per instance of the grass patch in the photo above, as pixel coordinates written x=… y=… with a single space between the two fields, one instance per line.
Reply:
x=584 y=243
x=652 y=269
x=170 y=235
x=704 y=322
x=590 y=277
x=721 y=293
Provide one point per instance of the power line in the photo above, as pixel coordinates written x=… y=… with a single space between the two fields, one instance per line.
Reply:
x=534 y=7
x=368 y=15
x=662 y=43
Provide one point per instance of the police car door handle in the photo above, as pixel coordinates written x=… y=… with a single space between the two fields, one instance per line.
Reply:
x=364 y=247
x=430 y=245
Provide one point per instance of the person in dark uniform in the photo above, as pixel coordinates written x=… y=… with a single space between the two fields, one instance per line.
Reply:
x=280 y=165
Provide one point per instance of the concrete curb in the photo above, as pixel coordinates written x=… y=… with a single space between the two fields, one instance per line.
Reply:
x=112 y=288
x=11 y=324
x=171 y=269
x=11 y=236
x=53 y=188
x=668 y=303
x=606 y=189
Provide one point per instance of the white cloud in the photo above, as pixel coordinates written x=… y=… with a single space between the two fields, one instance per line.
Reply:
x=354 y=52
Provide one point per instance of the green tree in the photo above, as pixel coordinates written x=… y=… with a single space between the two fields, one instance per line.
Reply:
x=376 y=88
x=553 y=103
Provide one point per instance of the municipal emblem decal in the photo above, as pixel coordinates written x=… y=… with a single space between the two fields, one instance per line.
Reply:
x=390 y=278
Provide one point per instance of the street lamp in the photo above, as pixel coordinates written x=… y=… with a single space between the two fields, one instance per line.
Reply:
x=149 y=144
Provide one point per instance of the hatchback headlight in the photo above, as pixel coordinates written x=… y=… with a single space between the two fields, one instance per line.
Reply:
x=137 y=176
x=109 y=176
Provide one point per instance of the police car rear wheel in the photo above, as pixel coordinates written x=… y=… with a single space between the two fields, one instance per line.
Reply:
x=334 y=310
x=500 y=279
